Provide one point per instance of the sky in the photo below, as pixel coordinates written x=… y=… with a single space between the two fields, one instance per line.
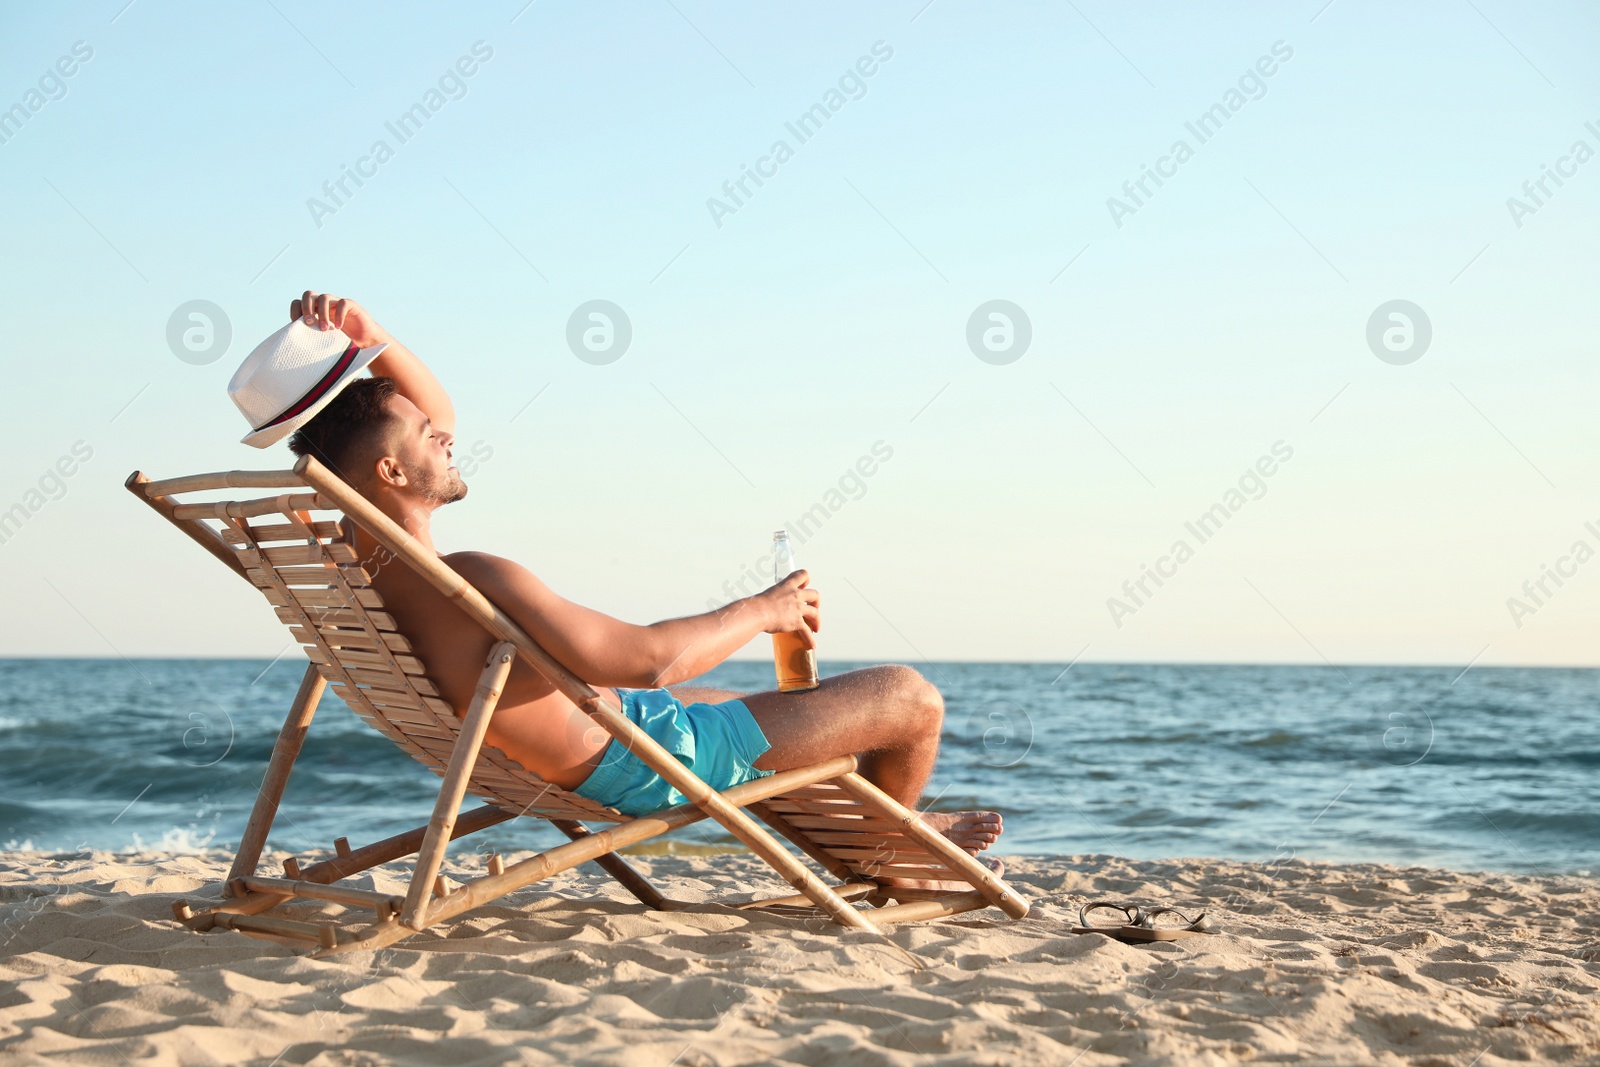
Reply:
x=828 y=342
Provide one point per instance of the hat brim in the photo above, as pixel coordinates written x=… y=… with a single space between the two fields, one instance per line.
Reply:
x=271 y=435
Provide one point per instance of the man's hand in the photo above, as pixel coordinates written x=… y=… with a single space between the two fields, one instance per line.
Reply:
x=792 y=606
x=414 y=380
x=327 y=312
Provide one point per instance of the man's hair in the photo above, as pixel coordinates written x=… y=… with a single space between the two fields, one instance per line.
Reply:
x=350 y=429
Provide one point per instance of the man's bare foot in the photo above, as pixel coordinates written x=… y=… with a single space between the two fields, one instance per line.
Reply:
x=972 y=830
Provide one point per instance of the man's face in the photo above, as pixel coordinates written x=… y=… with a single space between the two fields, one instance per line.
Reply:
x=424 y=454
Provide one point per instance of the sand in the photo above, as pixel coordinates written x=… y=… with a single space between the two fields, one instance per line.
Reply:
x=1357 y=964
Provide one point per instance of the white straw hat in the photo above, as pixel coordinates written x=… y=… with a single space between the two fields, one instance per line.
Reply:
x=291 y=376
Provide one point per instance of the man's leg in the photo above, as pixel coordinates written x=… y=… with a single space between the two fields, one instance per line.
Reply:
x=890 y=717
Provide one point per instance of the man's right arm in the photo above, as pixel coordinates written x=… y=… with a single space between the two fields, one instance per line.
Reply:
x=606 y=651
x=411 y=376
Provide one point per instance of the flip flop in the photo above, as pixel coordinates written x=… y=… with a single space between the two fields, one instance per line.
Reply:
x=1139 y=924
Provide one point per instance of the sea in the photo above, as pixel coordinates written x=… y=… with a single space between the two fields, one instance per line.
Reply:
x=1494 y=769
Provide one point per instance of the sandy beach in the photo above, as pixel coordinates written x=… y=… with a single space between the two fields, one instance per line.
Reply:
x=1346 y=964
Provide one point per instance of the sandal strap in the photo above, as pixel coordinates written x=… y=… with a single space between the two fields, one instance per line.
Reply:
x=1132 y=914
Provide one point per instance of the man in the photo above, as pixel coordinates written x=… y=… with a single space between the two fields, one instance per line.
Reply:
x=389 y=436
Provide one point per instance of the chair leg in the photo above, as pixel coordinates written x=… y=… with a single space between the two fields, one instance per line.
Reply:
x=284 y=753
x=459 y=771
x=617 y=867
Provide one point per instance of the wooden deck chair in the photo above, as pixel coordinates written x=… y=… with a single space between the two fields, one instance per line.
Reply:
x=842 y=822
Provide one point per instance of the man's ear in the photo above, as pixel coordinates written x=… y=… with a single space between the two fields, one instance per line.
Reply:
x=388 y=472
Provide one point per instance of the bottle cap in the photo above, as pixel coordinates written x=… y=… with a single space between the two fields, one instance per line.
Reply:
x=780 y=533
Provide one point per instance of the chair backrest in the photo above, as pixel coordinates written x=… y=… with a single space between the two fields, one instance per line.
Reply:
x=319 y=590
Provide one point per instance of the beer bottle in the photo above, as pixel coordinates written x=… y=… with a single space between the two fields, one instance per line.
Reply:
x=795 y=663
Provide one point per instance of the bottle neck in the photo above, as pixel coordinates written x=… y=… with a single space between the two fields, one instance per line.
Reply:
x=783 y=563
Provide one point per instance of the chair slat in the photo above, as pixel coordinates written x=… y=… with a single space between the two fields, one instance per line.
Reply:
x=381 y=698
x=378 y=661
x=899 y=853
x=193 y=483
x=293 y=555
x=443 y=709
x=821 y=807
x=339 y=638
x=282 y=532
x=411 y=716
x=819 y=791
x=325 y=574
x=335 y=598
x=883 y=870
x=249 y=509
x=855 y=839
x=341 y=616
x=387 y=682
x=840 y=824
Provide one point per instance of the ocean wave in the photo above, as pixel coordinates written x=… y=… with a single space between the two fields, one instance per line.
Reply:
x=1156 y=760
x=1276 y=739
x=1573 y=827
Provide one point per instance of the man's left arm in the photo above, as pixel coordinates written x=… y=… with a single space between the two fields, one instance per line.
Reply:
x=606 y=651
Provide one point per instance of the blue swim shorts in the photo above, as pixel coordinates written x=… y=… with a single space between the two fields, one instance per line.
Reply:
x=719 y=742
